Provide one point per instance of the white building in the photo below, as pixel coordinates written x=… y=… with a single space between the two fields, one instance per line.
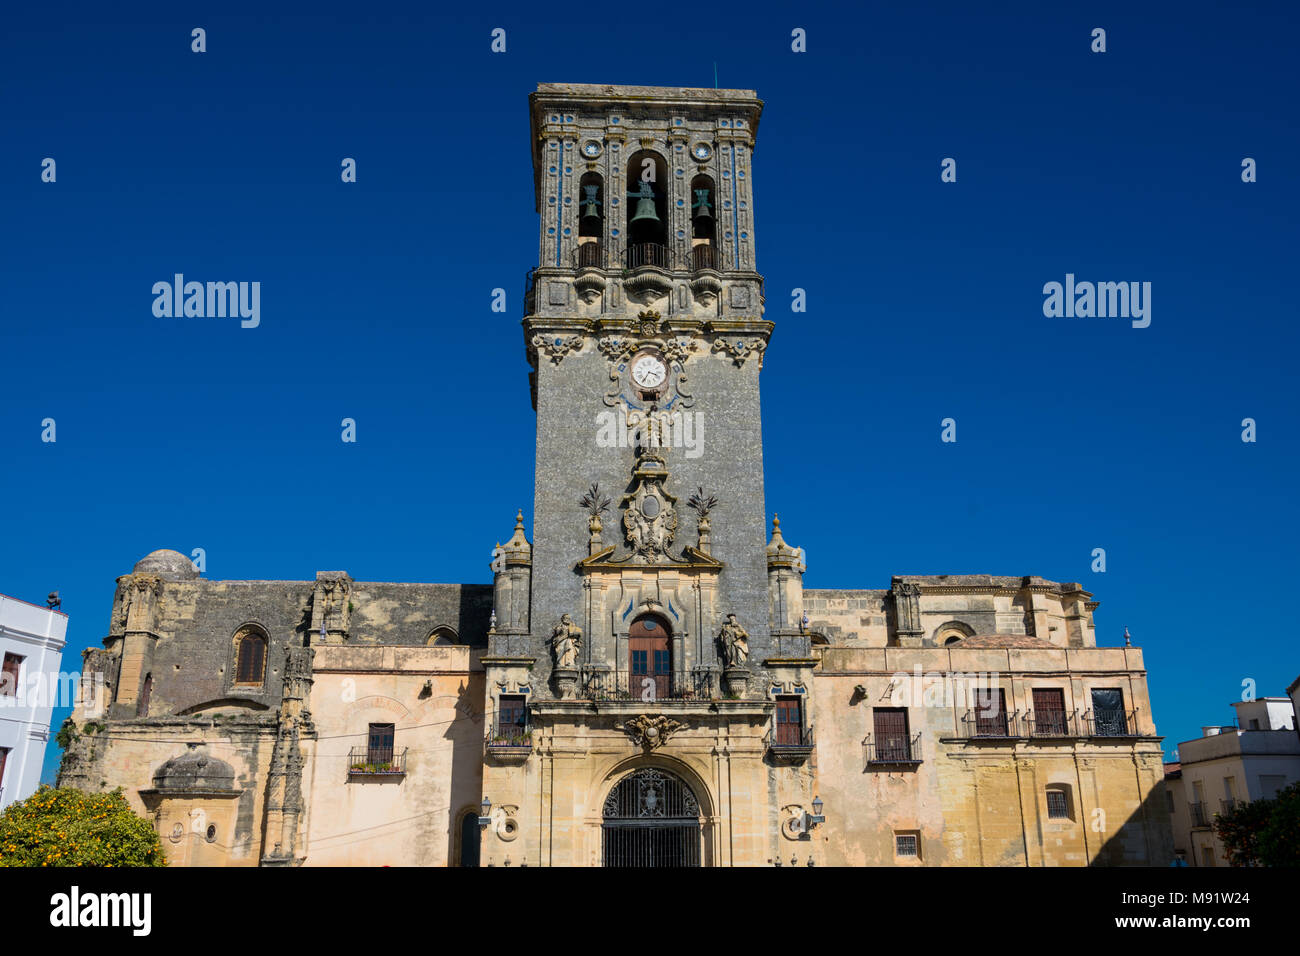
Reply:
x=31 y=644
x=1250 y=760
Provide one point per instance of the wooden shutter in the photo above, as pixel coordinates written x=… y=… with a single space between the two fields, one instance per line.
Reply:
x=381 y=743
x=1049 y=712
x=891 y=733
x=789 y=723
x=649 y=656
x=990 y=712
x=252 y=655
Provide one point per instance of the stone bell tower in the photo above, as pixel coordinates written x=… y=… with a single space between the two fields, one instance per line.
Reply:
x=645 y=331
x=661 y=626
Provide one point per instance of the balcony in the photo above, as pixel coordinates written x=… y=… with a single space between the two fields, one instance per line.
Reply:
x=590 y=255
x=376 y=762
x=1112 y=723
x=1200 y=819
x=648 y=688
x=893 y=751
x=641 y=254
x=704 y=257
x=789 y=743
x=996 y=726
x=1051 y=724
x=509 y=741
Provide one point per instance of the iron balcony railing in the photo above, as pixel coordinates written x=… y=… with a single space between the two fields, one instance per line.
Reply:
x=790 y=737
x=530 y=291
x=510 y=735
x=704 y=257
x=893 y=750
x=638 y=686
x=980 y=724
x=376 y=761
x=1199 y=817
x=590 y=255
x=1051 y=723
x=1111 y=723
x=640 y=254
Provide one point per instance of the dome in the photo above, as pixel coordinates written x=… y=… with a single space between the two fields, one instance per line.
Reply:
x=171 y=565
x=194 y=770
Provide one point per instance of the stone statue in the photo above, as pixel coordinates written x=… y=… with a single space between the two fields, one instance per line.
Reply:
x=735 y=643
x=566 y=641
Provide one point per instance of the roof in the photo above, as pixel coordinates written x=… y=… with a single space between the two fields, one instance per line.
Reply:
x=980 y=641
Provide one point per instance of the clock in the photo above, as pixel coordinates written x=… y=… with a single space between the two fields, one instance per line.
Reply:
x=649 y=371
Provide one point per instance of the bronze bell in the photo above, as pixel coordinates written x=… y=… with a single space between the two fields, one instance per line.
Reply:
x=590 y=204
x=645 y=204
x=702 y=209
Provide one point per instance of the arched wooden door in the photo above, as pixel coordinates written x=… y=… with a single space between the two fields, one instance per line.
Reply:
x=650 y=657
x=651 y=818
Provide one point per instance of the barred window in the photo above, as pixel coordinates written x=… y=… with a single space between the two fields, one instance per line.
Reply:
x=1058 y=804
x=907 y=844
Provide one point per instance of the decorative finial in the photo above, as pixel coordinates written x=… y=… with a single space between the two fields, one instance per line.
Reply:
x=1128 y=641
x=519 y=520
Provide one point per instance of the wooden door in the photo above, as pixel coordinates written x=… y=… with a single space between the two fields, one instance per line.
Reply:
x=650 y=656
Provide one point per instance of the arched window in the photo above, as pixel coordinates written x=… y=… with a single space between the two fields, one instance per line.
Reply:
x=703 y=223
x=591 y=220
x=250 y=656
x=647 y=205
x=442 y=637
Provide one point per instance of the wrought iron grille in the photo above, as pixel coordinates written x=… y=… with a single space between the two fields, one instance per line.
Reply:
x=1112 y=723
x=1199 y=817
x=648 y=687
x=510 y=734
x=999 y=725
x=790 y=737
x=376 y=761
x=590 y=255
x=640 y=254
x=1052 y=723
x=651 y=818
x=894 y=750
x=703 y=257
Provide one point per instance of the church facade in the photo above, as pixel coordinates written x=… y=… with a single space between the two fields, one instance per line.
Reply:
x=646 y=681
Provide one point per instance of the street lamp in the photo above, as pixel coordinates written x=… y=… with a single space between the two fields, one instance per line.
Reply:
x=812 y=819
x=485 y=817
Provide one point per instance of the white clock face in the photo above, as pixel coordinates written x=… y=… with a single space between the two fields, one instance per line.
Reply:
x=649 y=372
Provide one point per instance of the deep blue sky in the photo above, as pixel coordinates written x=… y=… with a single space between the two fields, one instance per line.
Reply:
x=924 y=298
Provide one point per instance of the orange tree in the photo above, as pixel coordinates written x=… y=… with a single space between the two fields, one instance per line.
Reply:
x=64 y=827
x=1263 y=832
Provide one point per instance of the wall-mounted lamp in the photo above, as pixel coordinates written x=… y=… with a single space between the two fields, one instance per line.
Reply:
x=813 y=819
x=485 y=815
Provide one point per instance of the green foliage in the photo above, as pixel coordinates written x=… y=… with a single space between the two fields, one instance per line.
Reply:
x=1263 y=832
x=64 y=827
x=67 y=733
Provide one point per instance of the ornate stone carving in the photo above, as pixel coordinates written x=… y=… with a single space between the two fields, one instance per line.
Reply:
x=649 y=515
x=733 y=641
x=557 y=347
x=739 y=349
x=650 y=731
x=566 y=642
x=907 y=608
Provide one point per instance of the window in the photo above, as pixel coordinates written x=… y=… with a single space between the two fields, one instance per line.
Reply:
x=1270 y=784
x=892 y=743
x=1169 y=798
x=441 y=637
x=703 y=204
x=650 y=657
x=379 y=744
x=211 y=833
x=907 y=845
x=1108 y=716
x=1058 y=804
x=1049 y=712
x=146 y=692
x=789 y=722
x=9 y=679
x=250 y=660
x=513 y=709
x=990 y=712
x=4 y=758
x=469 y=838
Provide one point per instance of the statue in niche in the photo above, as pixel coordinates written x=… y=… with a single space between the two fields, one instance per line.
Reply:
x=566 y=641
x=735 y=643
